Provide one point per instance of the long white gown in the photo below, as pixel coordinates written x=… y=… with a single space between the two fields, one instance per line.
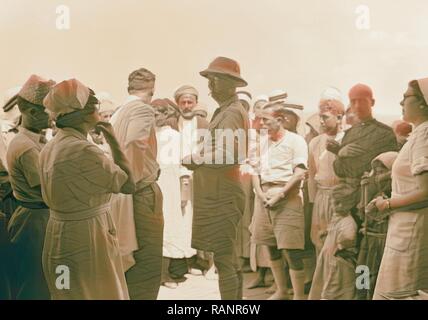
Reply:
x=177 y=224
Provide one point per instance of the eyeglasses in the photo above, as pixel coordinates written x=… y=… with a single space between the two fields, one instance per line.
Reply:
x=408 y=96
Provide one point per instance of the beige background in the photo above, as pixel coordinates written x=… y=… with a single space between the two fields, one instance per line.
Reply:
x=301 y=46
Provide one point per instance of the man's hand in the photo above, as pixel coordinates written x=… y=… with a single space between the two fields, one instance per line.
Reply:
x=380 y=203
x=273 y=200
x=107 y=130
x=183 y=204
x=351 y=150
x=262 y=196
x=333 y=146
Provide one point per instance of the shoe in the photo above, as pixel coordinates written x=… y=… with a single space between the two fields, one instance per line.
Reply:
x=196 y=272
x=170 y=285
x=211 y=274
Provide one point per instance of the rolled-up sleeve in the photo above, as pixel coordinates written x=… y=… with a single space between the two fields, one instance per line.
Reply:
x=300 y=152
x=419 y=152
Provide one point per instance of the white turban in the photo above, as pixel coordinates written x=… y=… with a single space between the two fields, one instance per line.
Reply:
x=186 y=89
x=332 y=93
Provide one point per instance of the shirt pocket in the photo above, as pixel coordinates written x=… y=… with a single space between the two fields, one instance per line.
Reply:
x=401 y=230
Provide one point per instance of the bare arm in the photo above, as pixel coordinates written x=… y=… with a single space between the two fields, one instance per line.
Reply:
x=296 y=179
x=312 y=187
x=419 y=195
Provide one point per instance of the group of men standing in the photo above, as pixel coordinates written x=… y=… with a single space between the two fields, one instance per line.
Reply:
x=333 y=164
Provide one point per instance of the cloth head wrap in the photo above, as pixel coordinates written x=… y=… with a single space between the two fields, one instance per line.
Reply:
x=186 y=89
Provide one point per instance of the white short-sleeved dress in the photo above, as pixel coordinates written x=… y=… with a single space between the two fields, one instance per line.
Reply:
x=404 y=266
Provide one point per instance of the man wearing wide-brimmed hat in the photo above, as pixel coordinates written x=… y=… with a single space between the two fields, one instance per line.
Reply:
x=28 y=223
x=219 y=198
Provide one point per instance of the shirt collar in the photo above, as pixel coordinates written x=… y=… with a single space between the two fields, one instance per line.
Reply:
x=420 y=127
x=35 y=137
x=367 y=122
x=131 y=98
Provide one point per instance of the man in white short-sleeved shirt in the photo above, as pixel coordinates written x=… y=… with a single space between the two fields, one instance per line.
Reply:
x=279 y=217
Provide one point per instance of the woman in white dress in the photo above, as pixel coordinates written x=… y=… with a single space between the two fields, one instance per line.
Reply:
x=404 y=267
x=81 y=258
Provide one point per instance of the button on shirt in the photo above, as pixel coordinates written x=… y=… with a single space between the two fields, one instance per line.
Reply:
x=283 y=157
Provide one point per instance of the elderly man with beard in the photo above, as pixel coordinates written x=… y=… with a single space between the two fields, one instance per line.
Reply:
x=190 y=120
x=219 y=198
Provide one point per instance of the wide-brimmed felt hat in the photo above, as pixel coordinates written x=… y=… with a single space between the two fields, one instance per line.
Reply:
x=222 y=66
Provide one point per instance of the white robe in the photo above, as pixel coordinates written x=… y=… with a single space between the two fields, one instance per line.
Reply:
x=177 y=224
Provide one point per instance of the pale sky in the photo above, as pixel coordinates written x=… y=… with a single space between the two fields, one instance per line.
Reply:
x=300 y=46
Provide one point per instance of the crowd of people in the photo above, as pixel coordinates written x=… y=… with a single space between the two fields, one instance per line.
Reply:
x=100 y=201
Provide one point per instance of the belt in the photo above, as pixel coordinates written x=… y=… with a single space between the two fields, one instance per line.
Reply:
x=32 y=205
x=273 y=184
x=356 y=181
x=80 y=215
x=376 y=235
x=320 y=187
